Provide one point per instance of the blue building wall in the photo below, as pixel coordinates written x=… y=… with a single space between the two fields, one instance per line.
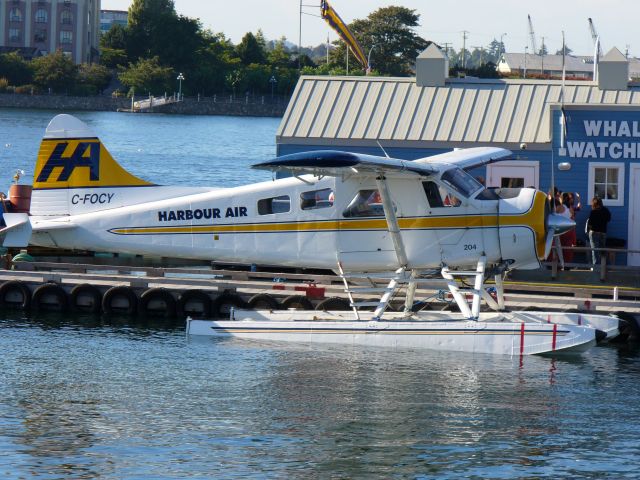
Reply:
x=596 y=135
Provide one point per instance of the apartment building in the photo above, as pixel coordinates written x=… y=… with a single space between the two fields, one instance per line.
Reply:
x=72 y=26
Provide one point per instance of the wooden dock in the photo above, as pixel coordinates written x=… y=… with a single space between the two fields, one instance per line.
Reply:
x=170 y=292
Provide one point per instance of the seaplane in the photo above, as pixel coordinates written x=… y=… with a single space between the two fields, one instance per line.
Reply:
x=388 y=223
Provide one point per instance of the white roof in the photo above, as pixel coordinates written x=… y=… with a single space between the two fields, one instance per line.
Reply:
x=332 y=111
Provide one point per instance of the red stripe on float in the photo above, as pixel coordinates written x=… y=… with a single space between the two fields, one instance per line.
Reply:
x=555 y=334
x=521 y=338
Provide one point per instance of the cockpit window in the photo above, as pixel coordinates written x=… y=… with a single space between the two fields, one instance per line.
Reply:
x=438 y=196
x=366 y=203
x=461 y=181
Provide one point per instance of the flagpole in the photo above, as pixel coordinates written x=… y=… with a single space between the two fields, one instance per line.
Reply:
x=300 y=37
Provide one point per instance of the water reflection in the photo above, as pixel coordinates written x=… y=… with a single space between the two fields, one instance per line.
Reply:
x=84 y=397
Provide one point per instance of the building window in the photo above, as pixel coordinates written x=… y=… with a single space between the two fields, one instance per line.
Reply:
x=268 y=206
x=66 y=37
x=606 y=180
x=40 y=35
x=66 y=18
x=15 y=15
x=14 y=34
x=41 y=16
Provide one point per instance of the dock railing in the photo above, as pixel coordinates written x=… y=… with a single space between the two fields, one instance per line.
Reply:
x=608 y=261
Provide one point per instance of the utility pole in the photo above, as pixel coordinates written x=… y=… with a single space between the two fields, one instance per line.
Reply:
x=446 y=48
x=542 y=57
x=464 y=48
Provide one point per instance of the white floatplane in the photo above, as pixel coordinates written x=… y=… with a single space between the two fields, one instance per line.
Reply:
x=364 y=216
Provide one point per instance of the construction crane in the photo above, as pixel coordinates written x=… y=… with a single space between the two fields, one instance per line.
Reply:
x=595 y=37
x=533 y=36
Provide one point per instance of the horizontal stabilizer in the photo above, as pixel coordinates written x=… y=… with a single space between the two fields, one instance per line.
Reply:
x=17 y=233
x=335 y=163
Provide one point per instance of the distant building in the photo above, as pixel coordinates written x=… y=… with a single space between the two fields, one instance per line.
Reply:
x=108 y=18
x=49 y=25
x=577 y=67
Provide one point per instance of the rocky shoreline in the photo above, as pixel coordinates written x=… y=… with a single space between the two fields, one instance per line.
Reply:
x=190 y=106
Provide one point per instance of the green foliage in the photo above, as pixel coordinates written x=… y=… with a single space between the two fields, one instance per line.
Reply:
x=55 y=71
x=115 y=38
x=279 y=56
x=113 y=58
x=250 y=51
x=94 y=77
x=388 y=35
x=15 y=69
x=147 y=76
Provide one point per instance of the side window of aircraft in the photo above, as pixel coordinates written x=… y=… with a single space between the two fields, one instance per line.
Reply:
x=268 y=206
x=438 y=196
x=461 y=181
x=366 y=203
x=317 y=199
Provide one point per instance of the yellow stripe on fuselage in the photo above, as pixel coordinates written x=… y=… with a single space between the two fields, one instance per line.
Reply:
x=533 y=218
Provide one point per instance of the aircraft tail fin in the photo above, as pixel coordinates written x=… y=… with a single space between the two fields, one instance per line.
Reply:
x=72 y=157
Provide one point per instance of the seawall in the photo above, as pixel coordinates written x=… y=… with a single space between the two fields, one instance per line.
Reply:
x=190 y=106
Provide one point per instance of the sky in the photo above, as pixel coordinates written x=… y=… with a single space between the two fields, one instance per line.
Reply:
x=615 y=20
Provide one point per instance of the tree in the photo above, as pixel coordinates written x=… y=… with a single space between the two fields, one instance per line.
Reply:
x=250 y=51
x=146 y=21
x=568 y=51
x=279 y=56
x=55 y=71
x=95 y=77
x=113 y=58
x=15 y=69
x=114 y=38
x=147 y=75
x=388 y=35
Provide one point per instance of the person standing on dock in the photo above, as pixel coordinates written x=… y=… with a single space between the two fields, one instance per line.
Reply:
x=597 y=227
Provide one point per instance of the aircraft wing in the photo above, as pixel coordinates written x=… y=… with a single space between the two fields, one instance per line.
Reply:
x=335 y=163
x=468 y=158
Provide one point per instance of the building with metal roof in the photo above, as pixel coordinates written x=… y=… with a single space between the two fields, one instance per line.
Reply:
x=581 y=67
x=597 y=145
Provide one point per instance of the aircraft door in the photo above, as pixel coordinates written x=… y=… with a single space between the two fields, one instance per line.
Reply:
x=364 y=242
x=465 y=228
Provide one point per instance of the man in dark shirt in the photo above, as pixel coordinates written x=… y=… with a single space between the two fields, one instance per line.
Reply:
x=597 y=227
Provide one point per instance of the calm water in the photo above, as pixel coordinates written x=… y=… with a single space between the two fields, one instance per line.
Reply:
x=85 y=397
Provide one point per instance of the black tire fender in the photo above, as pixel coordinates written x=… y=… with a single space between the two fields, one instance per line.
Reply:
x=161 y=295
x=126 y=293
x=264 y=301
x=48 y=290
x=86 y=290
x=220 y=306
x=15 y=286
x=194 y=296
x=333 y=303
x=297 y=302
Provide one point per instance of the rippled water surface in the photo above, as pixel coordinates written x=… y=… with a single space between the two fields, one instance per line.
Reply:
x=91 y=398
x=96 y=398
x=165 y=149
